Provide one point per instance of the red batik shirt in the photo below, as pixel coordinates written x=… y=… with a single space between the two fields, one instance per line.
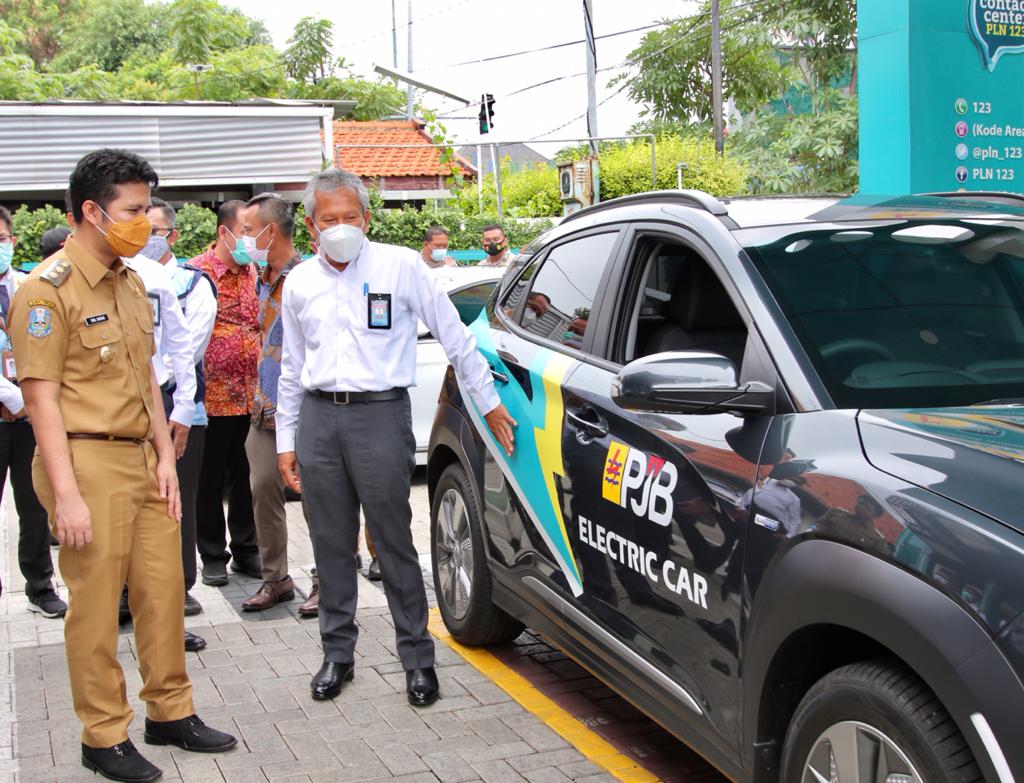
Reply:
x=234 y=350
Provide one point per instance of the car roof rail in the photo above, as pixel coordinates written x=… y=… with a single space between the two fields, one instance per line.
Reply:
x=997 y=196
x=696 y=199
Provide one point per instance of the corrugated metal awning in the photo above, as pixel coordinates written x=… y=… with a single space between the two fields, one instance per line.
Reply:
x=187 y=144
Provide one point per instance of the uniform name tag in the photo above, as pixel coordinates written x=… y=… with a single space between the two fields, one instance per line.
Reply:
x=379 y=311
x=10 y=372
x=92 y=320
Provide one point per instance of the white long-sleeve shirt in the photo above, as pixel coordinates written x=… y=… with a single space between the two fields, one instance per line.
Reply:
x=172 y=336
x=10 y=394
x=329 y=346
x=199 y=307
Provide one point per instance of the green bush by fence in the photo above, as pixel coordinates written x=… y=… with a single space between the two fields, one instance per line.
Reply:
x=29 y=226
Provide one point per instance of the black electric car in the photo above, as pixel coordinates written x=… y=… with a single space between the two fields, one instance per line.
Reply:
x=768 y=479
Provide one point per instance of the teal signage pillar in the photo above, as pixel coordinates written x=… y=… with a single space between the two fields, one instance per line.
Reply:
x=941 y=93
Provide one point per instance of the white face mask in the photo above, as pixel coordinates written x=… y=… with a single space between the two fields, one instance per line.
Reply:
x=438 y=254
x=255 y=254
x=341 y=243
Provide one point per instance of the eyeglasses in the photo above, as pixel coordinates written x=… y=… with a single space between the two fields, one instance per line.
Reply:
x=5 y=238
x=155 y=231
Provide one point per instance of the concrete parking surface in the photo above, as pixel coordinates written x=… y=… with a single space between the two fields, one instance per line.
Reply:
x=518 y=712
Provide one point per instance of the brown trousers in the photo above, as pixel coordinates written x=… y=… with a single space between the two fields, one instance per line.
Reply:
x=133 y=542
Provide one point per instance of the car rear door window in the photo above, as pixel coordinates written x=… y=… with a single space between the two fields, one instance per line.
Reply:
x=558 y=294
x=470 y=301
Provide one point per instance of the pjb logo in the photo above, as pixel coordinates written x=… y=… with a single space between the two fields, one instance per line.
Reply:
x=997 y=27
x=641 y=480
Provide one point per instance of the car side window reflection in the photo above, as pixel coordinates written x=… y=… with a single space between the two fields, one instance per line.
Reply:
x=560 y=292
x=470 y=301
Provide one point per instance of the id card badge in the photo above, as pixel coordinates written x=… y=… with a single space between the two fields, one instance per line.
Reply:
x=378 y=311
x=9 y=370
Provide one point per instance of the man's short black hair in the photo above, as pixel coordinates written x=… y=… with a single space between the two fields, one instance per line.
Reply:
x=228 y=212
x=52 y=241
x=169 y=213
x=434 y=231
x=492 y=227
x=5 y=217
x=537 y=294
x=273 y=208
x=97 y=175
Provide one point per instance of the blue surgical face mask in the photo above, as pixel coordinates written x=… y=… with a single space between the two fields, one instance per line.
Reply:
x=240 y=255
x=438 y=253
x=6 y=256
x=156 y=248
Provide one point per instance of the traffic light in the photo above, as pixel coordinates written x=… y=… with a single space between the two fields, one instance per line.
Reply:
x=486 y=115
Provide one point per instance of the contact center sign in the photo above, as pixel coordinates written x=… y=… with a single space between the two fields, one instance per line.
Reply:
x=940 y=95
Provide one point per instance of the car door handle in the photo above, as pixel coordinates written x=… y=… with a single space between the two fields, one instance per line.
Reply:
x=499 y=377
x=588 y=422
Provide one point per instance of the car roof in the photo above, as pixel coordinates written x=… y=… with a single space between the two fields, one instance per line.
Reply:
x=757 y=211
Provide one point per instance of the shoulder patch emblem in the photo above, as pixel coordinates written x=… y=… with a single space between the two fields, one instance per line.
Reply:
x=40 y=321
x=57 y=273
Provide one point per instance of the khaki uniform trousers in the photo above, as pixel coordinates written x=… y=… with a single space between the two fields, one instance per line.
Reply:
x=133 y=542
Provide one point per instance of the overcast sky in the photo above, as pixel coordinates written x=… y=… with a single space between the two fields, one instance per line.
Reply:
x=446 y=32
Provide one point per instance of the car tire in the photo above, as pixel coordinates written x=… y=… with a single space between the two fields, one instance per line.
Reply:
x=458 y=558
x=860 y=709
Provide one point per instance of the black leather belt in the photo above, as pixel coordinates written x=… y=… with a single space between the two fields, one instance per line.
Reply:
x=347 y=398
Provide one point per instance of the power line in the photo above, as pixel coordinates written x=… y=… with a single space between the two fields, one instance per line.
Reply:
x=687 y=34
x=545 y=48
x=404 y=24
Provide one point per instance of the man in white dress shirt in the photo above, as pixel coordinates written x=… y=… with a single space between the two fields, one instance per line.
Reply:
x=17 y=445
x=344 y=423
x=197 y=296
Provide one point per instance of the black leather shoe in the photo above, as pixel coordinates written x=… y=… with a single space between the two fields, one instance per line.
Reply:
x=328 y=681
x=192 y=606
x=188 y=734
x=373 y=572
x=120 y=762
x=194 y=643
x=215 y=573
x=421 y=685
x=248 y=565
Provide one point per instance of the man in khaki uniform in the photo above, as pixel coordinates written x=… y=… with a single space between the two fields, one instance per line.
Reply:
x=104 y=469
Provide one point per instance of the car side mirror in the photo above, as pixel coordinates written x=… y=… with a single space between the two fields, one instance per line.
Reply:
x=693 y=382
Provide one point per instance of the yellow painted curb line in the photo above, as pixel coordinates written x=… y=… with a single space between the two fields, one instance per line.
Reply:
x=589 y=743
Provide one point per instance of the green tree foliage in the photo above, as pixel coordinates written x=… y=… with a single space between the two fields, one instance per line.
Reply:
x=308 y=55
x=802 y=153
x=672 y=65
x=29 y=226
x=530 y=192
x=137 y=50
x=197 y=228
x=109 y=32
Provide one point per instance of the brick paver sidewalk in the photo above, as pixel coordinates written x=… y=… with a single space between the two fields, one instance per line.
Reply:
x=253 y=680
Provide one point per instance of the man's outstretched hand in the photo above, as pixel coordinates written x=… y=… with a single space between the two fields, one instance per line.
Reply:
x=501 y=424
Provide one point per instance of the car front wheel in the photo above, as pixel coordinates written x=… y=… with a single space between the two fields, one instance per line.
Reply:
x=875 y=721
x=462 y=579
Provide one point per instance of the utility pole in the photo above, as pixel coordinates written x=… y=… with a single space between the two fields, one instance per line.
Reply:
x=394 y=35
x=716 y=74
x=409 y=90
x=591 y=46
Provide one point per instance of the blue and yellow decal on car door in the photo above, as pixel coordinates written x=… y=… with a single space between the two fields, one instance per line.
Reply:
x=536 y=464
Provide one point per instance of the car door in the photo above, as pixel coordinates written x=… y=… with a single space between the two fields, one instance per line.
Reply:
x=534 y=337
x=657 y=500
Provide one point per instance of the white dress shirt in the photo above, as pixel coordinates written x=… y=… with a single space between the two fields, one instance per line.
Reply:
x=328 y=344
x=199 y=307
x=172 y=336
x=10 y=394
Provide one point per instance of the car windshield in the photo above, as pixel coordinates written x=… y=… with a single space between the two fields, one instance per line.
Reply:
x=924 y=313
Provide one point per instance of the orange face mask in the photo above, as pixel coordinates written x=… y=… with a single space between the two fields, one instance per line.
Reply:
x=126 y=238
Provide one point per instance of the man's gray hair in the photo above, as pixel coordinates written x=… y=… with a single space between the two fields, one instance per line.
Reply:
x=330 y=180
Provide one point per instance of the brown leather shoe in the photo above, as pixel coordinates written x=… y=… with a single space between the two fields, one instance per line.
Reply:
x=312 y=604
x=270 y=594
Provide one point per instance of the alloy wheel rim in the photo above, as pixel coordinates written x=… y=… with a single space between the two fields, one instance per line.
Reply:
x=454 y=555
x=854 y=752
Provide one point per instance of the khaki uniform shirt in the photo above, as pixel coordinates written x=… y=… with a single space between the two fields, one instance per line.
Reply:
x=90 y=329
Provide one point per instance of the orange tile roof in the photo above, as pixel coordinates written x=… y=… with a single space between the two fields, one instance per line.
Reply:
x=395 y=162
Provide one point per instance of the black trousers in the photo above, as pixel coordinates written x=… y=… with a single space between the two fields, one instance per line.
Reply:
x=189 y=467
x=17 y=444
x=225 y=471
